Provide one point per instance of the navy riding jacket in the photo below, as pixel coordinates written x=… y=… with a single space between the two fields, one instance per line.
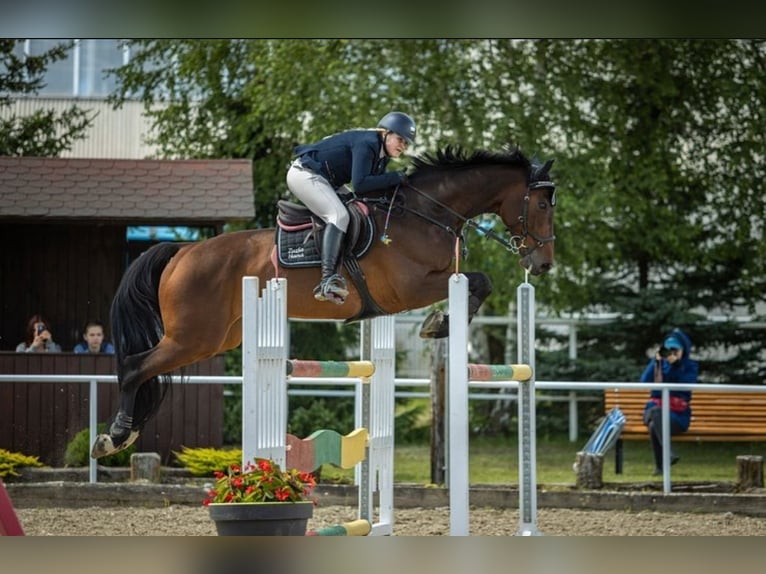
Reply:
x=352 y=157
x=683 y=371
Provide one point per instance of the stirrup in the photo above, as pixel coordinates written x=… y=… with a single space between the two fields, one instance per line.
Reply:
x=333 y=289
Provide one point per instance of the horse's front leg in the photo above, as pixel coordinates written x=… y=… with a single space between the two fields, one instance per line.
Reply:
x=436 y=325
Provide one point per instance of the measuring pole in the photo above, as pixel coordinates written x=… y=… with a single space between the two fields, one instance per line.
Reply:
x=525 y=305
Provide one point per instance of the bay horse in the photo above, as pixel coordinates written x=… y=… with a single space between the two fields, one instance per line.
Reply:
x=181 y=303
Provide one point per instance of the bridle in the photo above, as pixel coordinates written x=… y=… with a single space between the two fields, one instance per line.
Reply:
x=518 y=241
x=514 y=244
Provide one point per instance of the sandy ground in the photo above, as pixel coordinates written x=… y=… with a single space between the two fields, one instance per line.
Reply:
x=194 y=521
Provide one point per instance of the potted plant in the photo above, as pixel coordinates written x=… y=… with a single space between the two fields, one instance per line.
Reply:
x=261 y=500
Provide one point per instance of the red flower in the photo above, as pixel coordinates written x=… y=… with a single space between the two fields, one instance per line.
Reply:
x=262 y=481
x=281 y=494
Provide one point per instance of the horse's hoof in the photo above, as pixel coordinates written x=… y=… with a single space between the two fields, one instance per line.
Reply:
x=104 y=445
x=436 y=326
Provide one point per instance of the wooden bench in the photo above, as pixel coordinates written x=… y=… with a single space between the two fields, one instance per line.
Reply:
x=716 y=416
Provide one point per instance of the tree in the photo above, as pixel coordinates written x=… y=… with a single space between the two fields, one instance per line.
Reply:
x=45 y=132
x=659 y=149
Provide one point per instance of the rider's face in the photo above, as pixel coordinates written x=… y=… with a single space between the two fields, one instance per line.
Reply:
x=395 y=144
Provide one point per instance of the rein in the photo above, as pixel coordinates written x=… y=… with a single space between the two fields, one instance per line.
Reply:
x=516 y=242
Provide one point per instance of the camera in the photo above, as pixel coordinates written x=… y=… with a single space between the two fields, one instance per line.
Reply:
x=664 y=352
x=41 y=328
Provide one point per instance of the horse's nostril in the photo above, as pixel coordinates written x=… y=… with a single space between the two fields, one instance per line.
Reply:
x=545 y=267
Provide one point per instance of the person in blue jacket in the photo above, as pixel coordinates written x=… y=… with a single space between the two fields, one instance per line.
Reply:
x=94 y=340
x=671 y=364
x=358 y=157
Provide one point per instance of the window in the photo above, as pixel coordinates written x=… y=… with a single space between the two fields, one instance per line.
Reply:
x=59 y=76
x=82 y=72
x=97 y=56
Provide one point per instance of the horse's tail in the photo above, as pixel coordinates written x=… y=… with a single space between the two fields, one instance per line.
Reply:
x=137 y=325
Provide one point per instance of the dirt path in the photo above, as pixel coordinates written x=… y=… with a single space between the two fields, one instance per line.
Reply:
x=180 y=520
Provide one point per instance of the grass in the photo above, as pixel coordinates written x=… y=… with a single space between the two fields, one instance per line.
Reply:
x=495 y=461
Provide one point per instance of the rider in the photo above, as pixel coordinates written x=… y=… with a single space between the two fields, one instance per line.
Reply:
x=358 y=157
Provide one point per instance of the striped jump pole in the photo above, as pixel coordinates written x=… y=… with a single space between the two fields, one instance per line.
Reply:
x=330 y=369
x=359 y=527
x=477 y=372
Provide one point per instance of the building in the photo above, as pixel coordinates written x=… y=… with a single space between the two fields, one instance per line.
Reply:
x=69 y=227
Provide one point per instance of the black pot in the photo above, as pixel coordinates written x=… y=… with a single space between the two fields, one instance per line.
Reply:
x=261 y=518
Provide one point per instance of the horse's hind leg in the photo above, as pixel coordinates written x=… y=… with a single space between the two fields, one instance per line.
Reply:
x=121 y=432
x=142 y=390
x=436 y=325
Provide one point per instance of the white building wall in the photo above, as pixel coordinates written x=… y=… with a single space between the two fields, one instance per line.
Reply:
x=118 y=134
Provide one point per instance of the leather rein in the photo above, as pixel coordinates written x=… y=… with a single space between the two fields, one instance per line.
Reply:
x=513 y=244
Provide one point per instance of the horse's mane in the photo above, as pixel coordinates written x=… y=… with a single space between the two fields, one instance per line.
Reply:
x=455 y=157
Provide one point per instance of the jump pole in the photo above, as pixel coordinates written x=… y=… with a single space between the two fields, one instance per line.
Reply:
x=459 y=375
x=265 y=344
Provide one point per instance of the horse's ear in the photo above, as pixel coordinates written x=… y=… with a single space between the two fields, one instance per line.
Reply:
x=540 y=172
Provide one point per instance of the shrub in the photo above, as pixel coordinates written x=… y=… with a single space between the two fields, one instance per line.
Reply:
x=206 y=461
x=10 y=461
x=78 y=451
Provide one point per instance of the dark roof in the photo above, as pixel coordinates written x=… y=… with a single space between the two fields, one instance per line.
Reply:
x=120 y=190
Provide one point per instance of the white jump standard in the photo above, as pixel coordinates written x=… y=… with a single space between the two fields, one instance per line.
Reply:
x=265 y=344
x=459 y=374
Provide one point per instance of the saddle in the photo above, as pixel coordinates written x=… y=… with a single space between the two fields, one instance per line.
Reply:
x=299 y=234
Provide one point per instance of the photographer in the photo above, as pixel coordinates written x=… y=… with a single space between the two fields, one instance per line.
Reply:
x=671 y=364
x=38 y=338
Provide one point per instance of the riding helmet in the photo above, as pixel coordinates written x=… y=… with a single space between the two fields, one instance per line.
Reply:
x=399 y=123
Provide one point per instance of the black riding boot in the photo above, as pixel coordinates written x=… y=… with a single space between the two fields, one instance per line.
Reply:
x=332 y=287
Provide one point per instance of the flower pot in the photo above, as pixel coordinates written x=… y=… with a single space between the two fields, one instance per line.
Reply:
x=261 y=518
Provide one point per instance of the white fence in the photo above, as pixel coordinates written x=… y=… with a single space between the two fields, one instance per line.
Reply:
x=476 y=387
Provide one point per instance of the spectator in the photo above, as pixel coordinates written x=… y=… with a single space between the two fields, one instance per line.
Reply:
x=671 y=364
x=38 y=338
x=93 y=339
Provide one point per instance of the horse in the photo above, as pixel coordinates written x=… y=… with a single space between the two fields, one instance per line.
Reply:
x=179 y=303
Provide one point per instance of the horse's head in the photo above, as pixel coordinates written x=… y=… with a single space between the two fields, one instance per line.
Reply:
x=505 y=183
x=531 y=226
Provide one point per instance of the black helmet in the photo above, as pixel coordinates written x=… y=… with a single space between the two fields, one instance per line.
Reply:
x=399 y=123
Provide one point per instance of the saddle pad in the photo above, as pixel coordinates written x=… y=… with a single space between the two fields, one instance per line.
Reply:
x=297 y=248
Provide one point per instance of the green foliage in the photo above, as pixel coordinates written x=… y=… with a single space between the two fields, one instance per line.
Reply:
x=206 y=461
x=658 y=147
x=10 y=462
x=78 y=451
x=412 y=422
x=308 y=414
x=45 y=132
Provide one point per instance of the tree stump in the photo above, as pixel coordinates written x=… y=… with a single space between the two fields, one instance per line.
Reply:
x=589 y=468
x=145 y=466
x=750 y=471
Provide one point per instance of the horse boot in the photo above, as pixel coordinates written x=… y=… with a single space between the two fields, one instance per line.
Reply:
x=436 y=325
x=332 y=286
